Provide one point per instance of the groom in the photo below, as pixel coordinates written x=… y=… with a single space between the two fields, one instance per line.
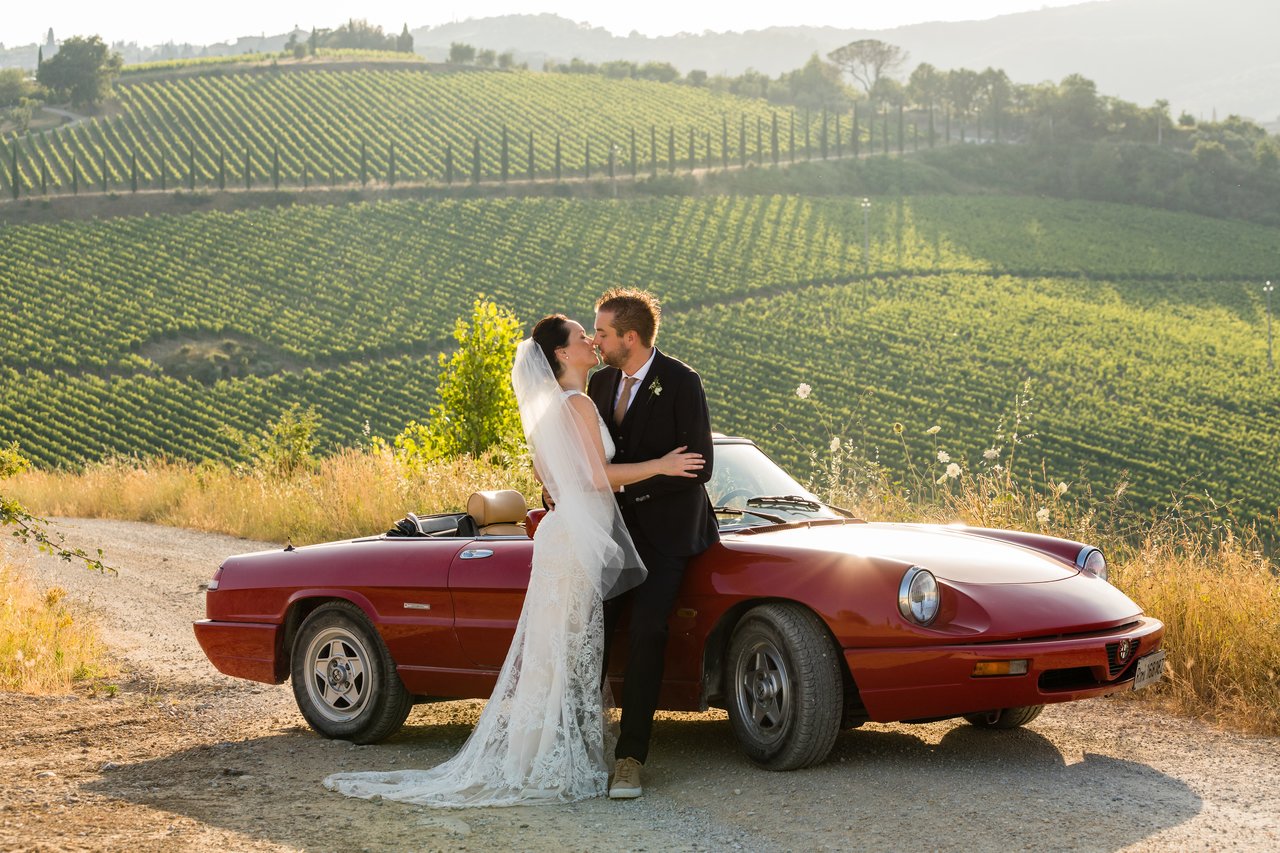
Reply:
x=652 y=404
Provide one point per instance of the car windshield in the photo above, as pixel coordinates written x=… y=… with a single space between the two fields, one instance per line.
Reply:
x=746 y=480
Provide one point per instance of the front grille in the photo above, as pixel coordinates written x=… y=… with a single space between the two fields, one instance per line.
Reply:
x=1116 y=665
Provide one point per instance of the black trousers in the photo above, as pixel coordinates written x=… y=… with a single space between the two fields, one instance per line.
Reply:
x=650 y=606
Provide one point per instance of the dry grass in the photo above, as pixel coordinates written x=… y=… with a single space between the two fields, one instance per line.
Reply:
x=45 y=645
x=354 y=493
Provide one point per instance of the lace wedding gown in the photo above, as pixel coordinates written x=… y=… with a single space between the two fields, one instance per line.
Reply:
x=541 y=736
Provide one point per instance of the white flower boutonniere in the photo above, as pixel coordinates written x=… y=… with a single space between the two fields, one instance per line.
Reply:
x=655 y=387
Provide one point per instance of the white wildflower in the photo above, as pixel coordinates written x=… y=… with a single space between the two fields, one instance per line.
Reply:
x=933 y=430
x=1042 y=515
x=835 y=443
x=944 y=457
x=990 y=453
x=803 y=390
x=953 y=470
x=1062 y=489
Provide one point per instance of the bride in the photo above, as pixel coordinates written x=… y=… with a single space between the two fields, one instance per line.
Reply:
x=540 y=737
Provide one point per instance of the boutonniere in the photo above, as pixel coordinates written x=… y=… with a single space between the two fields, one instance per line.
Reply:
x=655 y=387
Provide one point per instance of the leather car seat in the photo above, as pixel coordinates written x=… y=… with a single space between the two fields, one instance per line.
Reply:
x=498 y=513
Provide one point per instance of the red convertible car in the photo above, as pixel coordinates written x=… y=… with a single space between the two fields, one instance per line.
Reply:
x=801 y=622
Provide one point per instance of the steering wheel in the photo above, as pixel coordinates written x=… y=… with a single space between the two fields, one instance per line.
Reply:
x=745 y=494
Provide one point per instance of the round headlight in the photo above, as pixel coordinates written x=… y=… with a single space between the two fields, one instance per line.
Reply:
x=918 y=596
x=1092 y=561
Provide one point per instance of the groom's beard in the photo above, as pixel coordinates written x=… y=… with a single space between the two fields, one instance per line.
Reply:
x=617 y=358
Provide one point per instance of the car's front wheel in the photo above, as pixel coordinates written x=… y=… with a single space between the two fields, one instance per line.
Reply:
x=1005 y=718
x=344 y=680
x=785 y=695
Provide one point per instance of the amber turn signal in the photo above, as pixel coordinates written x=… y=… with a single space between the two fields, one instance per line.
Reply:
x=999 y=667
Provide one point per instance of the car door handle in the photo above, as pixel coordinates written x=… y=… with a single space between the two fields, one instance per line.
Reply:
x=476 y=554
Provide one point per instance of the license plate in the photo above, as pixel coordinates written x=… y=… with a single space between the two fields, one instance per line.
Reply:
x=1149 y=669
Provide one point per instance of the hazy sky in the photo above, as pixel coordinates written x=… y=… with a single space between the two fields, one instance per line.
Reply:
x=25 y=22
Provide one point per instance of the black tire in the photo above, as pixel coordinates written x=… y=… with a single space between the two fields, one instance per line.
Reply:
x=1005 y=718
x=785 y=690
x=344 y=680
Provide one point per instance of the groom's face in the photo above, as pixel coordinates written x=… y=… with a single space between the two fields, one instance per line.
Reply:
x=613 y=348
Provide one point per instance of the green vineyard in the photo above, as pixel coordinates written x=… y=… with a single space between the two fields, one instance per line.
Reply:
x=270 y=127
x=1143 y=333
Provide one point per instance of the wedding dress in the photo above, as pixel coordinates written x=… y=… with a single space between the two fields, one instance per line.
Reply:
x=541 y=736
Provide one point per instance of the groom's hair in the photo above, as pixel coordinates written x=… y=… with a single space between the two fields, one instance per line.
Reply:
x=633 y=311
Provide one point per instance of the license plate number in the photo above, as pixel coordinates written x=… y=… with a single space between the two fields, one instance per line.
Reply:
x=1149 y=670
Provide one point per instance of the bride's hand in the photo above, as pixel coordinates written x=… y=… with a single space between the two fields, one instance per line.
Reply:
x=678 y=463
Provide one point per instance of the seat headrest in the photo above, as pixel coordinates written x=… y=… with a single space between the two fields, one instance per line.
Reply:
x=503 y=506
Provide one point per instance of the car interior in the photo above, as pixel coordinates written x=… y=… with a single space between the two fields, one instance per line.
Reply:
x=500 y=512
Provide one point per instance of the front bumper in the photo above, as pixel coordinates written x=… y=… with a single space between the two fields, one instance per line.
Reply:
x=242 y=649
x=938 y=681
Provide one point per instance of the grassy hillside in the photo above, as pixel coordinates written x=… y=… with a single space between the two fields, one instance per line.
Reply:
x=1143 y=332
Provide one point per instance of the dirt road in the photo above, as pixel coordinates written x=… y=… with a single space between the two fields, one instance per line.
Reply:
x=182 y=758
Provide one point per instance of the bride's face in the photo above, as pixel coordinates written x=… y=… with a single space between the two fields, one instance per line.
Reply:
x=580 y=349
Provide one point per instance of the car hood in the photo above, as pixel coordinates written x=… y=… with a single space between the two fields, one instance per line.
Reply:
x=957 y=554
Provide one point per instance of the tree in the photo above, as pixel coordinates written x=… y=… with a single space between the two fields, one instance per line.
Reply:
x=14 y=87
x=81 y=71
x=404 y=43
x=867 y=60
x=487 y=58
x=461 y=54
x=477 y=408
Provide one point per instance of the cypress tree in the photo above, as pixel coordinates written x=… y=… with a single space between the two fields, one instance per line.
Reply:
x=653 y=149
x=854 y=135
x=901 y=134
x=248 y=169
x=532 y=170
x=222 y=168
x=75 y=175
x=671 y=150
x=391 y=164
x=558 y=158
x=886 y=131
x=364 y=163
x=588 y=159
x=506 y=159
x=709 y=158
x=759 y=141
x=808 y=144
x=305 y=182
x=724 y=141
x=164 y=178
x=448 y=163
x=742 y=142
x=133 y=171
x=13 y=171
x=612 y=172
x=932 y=130
x=693 y=157
x=104 y=169
x=822 y=143
x=792 y=141
x=634 y=165
x=475 y=161
x=275 y=167
x=839 y=145
x=191 y=166
x=44 y=176
x=773 y=138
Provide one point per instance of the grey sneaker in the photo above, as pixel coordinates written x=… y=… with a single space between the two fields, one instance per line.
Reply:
x=626 y=780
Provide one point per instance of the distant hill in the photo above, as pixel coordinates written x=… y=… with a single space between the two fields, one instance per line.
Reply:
x=1201 y=57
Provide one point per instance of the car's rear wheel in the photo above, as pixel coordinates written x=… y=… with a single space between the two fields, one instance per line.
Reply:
x=785 y=690
x=344 y=680
x=1005 y=718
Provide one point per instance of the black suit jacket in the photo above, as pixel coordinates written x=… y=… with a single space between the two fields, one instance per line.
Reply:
x=669 y=410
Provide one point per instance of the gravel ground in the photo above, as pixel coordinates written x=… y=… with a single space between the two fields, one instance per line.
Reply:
x=183 y=758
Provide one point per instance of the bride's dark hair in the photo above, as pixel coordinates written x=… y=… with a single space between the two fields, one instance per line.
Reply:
x=550 y=333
